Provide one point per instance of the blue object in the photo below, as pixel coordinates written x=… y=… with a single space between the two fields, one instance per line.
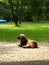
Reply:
x=3 y=21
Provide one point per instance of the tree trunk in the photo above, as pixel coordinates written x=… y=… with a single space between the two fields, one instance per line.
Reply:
x=43 y=11
x=15 y=19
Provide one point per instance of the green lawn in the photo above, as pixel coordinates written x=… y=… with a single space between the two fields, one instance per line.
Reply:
x=37 y=31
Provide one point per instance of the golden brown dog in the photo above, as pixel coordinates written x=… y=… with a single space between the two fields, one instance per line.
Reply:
x=26 y=43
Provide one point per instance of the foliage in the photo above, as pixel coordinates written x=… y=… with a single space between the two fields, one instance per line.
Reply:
x=25 y=10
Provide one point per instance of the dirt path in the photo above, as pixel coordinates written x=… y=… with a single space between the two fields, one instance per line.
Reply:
x=11 y=54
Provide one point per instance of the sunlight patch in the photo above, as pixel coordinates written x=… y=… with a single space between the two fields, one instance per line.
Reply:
x=44 y=26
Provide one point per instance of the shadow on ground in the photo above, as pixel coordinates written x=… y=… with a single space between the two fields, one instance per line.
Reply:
x=37 y=62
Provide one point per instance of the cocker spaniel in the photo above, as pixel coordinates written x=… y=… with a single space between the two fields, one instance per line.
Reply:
x=26 y=43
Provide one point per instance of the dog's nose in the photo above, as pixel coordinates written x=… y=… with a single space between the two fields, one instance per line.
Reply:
x=18 y=37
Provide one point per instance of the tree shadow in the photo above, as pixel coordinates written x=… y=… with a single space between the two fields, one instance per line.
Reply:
x=36 y=62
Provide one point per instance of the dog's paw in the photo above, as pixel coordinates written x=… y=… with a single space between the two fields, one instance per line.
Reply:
x=19 y=45
x=24 y=46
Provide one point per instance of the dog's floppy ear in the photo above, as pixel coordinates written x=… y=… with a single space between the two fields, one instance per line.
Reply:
x=23 y=40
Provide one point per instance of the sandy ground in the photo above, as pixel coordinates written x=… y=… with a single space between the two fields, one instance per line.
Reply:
x=11 y=54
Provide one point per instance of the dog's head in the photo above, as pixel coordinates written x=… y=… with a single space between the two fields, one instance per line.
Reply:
x=23 y=39
x=21 y=36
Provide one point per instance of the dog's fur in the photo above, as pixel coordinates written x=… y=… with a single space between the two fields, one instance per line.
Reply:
x=26 y=43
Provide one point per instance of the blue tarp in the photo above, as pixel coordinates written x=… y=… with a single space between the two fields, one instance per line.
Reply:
x=3 y=21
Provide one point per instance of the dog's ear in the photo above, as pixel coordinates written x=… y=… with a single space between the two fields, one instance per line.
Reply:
x=23 y=40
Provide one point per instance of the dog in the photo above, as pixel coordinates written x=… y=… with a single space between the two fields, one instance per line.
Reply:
x=26 y=43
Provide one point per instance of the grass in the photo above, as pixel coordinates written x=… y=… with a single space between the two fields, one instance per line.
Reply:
x=37 y=31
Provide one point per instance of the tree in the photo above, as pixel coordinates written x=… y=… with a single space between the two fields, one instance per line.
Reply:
x=15 y=19
x=16 y=10
x=25 y=10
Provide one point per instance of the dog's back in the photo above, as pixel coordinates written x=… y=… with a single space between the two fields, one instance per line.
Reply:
x=32 y=43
